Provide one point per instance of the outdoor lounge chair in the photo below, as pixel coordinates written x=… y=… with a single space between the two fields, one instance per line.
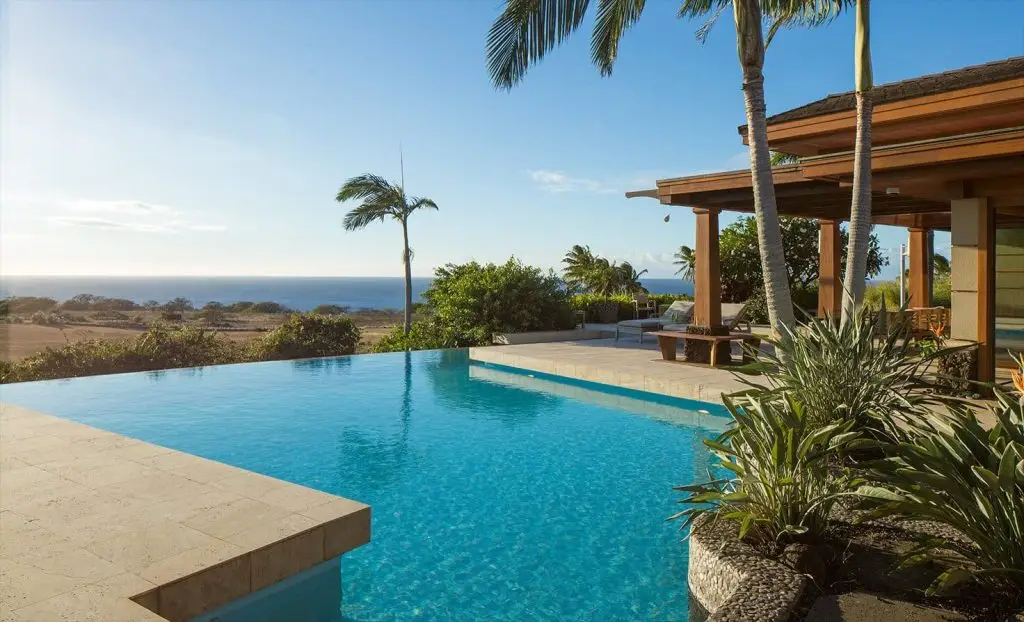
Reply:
x=679 y=311
x=734 y=317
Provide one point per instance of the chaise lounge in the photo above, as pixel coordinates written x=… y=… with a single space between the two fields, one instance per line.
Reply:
x=679 y=315
x=679 y=312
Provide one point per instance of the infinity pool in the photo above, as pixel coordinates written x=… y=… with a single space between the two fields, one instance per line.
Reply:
x=496 y=495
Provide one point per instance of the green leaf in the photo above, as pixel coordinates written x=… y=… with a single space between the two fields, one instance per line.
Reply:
x=948 y=580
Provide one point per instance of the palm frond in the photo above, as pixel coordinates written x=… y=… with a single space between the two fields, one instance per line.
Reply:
x=366 y=213
x=801 y=14
x=415 y=203
x=614 y=17
x=369 y=186
x=525 y=31
x=712 y=9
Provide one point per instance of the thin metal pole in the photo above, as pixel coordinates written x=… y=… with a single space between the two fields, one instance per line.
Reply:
x=903 y=270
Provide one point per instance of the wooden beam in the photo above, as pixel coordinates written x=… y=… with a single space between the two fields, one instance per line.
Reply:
x=920 y=277
x=707 y=286
x=986 y=293
x=830 y=284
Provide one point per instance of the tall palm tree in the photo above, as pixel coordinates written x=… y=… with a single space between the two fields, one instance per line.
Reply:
x=527 y=29
x=580 y=263
x=382 y=199
x=628 y=278
x=860 y=210
x=686 y=259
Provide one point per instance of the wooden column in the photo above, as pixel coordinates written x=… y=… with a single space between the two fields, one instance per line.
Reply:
x=830 y=283
x=707 y=286
x=920 y=274
x=986 y=293
x=973 y=317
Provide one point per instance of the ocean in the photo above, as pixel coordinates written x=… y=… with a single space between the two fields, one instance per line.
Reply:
x=299 y=293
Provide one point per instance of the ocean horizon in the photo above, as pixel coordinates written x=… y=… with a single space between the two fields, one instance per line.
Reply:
x=298 y=293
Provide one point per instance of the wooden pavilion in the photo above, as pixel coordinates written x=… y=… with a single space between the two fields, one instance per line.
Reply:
x=948 y=154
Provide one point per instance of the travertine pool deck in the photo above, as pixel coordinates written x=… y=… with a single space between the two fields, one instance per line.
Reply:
x=99 y=526
x=624 y=363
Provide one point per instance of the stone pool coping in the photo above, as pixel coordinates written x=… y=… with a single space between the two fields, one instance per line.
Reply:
x=733 y=582
x=98 y=526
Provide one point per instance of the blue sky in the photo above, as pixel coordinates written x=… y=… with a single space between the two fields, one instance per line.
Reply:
x=210 y=138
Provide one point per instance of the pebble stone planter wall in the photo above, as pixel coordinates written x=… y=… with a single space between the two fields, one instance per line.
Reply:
x=731 y=582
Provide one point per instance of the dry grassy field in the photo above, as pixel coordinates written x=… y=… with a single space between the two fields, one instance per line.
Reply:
x=20 y=340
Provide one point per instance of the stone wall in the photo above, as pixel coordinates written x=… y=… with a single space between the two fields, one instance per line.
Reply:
x=735 y=583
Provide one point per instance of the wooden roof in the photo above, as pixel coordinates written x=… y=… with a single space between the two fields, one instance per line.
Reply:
x=996 y=71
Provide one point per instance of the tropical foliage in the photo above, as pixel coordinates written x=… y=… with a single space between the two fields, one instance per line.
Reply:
x=686 y=259
x=589 y=303
x=779 y=487
x=382 y=200
x=858 y=371
x=467 y=303
x=585 y=271
x=741 y=259
x=528 y=29
x=956 y=472
x=307 y=336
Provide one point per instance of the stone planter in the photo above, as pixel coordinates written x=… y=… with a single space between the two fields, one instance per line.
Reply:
x=730 y=581
x=607 y=312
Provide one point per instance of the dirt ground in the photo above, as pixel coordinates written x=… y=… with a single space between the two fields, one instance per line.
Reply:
x=18 y=341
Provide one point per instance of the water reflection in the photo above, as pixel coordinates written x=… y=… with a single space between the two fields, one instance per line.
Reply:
x=450 y=378
x=379 y=459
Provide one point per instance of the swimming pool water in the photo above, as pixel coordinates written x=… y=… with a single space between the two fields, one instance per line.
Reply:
x=496 y=495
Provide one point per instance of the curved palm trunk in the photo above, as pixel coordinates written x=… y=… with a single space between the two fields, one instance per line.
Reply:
x=750 y=47
x=408 y=276
x=860 y=210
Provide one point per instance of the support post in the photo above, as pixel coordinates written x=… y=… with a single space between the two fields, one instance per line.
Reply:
x=707 y=286
x=920 y=274
x=973 y=260
x=830 y=283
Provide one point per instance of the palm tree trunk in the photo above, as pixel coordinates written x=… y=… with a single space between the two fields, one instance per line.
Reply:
x=408 y=277
x=860 y=210
x=750 y=47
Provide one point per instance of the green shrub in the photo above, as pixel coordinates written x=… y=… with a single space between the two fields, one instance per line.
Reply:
x=942 y=292
x=331 y=310
x=30 y=304
x=874 y=293
x=157 y=348
x=178 y=305
x=268 y=307
x=241 y=306
x=470 y=302
x=844 y=373
x=423 y=335
x=44 y=318
x=172 y=316
x=307 y=336
x=956 y=472
x=781 y=484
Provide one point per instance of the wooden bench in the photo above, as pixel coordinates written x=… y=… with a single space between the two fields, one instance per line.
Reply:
x=667 y=340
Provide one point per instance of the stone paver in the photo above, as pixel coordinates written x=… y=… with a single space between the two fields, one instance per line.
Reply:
x=96 y=526
x=624 y=363
x=861 y=607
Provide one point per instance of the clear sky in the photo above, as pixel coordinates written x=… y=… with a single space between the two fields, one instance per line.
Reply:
x=210 y=137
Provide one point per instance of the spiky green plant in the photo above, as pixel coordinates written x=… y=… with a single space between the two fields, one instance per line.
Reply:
x=954 y=471
x=780 y=487
x=858 y=371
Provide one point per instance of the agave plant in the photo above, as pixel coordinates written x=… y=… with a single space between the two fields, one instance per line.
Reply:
x=858 y=371
x=956 y=472
x=780 y=487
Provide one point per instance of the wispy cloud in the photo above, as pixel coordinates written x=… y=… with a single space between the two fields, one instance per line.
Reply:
x=127 y=215
x=557 y=181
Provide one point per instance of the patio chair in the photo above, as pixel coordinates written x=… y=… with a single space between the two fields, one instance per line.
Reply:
x=734 y=317
x=643 y=304
x=678 y=311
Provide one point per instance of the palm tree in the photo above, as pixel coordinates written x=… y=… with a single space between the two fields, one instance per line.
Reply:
x=382 y=199
x=940 y=265
x=628 y=278
x=860 y=210
x=527 y=29
x=580 y=263
x=686 y=259
x=781 y=159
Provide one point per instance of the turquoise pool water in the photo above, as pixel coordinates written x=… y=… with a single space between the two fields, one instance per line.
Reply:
x=496 y=495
